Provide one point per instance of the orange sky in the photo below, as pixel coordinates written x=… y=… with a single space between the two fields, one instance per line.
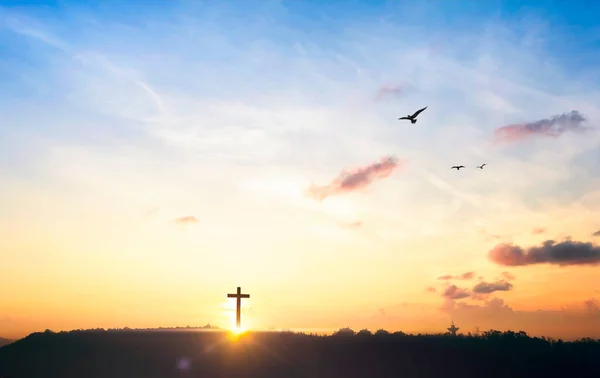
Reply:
x=141 y=179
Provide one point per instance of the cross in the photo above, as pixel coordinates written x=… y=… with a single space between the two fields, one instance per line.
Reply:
x=238 y=296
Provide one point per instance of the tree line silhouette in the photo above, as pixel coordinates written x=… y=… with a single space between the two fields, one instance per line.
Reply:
x=173 y=352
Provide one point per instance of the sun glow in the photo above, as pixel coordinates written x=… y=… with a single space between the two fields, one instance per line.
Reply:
x=229 y=314
x=238 y=331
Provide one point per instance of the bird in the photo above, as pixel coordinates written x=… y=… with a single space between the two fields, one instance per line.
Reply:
x=457 y=167
x=413 y=118
x=482 y=165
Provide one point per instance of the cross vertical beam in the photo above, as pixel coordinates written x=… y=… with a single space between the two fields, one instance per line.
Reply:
x=238 y=305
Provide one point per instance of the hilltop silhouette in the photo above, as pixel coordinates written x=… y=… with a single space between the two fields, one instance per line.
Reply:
x=5 y=341
x=216 y=353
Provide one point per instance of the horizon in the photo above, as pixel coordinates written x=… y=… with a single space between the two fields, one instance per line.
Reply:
x=322 y=332
x=155 y=156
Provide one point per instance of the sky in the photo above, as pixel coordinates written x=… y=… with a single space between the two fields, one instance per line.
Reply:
x=156 y=155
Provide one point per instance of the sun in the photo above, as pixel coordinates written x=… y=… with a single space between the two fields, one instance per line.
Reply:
x=229 y=313
x=236 y=332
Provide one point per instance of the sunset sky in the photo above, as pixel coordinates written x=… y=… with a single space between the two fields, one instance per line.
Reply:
x=155 y=155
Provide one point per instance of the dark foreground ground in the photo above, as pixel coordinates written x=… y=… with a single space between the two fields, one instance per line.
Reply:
x=148 y=354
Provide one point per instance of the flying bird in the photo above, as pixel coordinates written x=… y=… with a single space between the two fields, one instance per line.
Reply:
x=413 y=118
x=482 y=165
x=457 y=167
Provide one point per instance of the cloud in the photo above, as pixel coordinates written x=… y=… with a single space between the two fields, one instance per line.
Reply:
x=592 y=306
x=508 y=276
x=431 y=289
x=553 y=127
x=388 y=91
x=564 y=253
x=454 y=292
x=572 y=321
x=538 y=230
x=187 y=220
x=91 y=59
x=358 y=178
x=597 y=233
x=490 y=287
x=352 y=224
x=464 y=276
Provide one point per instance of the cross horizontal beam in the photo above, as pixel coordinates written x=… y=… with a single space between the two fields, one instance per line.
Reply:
x=238 y=295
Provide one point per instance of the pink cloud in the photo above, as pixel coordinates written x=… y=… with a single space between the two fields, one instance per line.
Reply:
x=464 y=276
x=552 y=127
x=454 y=292
x=186 y=220
x=389 y=90
x=358 y=178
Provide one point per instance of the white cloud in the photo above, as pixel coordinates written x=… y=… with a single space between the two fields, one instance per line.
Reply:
x=228 y=107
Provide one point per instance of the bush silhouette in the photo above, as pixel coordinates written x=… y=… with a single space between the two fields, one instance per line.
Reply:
x=344 y=332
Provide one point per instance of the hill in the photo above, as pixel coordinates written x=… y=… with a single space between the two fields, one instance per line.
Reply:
x=168 y=353
x=5 y=341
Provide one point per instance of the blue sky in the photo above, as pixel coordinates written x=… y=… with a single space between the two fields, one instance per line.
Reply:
x=106 y=73
x=117 y=118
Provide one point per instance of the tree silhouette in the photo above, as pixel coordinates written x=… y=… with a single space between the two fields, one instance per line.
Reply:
x=344 y=332
x=126 y=352
x=364 y=333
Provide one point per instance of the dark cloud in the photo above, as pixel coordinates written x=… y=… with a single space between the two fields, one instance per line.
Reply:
x=508 y=276
x=597 y=233
x=553 y=127
x=464 y=276
x=454 y=292
x=490 y=287
x=186 y=220
x=388 y=91
x=538 y=230
x=355 y=179
x=564 y=253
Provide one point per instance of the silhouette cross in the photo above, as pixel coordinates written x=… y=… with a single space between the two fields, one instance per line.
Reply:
x=238 y=296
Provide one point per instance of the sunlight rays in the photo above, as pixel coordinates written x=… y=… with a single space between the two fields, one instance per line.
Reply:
x=228 y=316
